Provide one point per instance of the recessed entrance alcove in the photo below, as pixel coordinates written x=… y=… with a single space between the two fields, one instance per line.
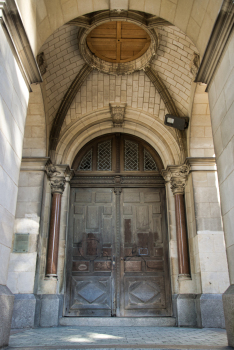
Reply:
x=117 y=248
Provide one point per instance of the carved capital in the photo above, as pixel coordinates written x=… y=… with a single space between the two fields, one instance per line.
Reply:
x=117 y=113
x=58 y=174
x=177 y=176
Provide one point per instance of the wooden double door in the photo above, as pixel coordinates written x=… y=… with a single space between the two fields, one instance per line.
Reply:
x=117 y=260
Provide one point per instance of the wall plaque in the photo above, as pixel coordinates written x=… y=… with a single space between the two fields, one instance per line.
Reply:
x=21 y=243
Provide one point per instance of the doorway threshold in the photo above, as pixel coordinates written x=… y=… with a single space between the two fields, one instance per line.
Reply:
x=118 y=321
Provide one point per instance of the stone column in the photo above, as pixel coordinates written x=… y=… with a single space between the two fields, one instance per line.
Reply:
x=57 y=176
x=177 y=176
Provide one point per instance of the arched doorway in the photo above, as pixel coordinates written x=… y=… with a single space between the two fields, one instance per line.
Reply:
x=117 y=245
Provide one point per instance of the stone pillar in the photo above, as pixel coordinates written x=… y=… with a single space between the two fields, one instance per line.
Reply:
x=57 y=179
x=177 y=176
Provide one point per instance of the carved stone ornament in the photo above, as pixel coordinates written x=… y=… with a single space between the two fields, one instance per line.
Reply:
x=177 y=176
x=57 y=176
x=117 y=113
x=41 y=61
x=194 y=65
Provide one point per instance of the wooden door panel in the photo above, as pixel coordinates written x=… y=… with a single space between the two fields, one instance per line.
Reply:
x=144 y=273
x=91 y=243
x=144 y=292
x=91 y=296
x=136 y=260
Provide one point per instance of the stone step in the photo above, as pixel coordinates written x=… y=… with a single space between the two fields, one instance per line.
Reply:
x=118 y=321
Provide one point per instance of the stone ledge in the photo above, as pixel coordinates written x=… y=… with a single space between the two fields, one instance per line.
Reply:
x=117 y=321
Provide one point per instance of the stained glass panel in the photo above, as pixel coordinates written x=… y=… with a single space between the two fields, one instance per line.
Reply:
x=149 y=163
x=130 y=156
x=104 y=156
x=86 y=163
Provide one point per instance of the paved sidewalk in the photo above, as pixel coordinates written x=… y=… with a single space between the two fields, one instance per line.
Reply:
x=62 y=338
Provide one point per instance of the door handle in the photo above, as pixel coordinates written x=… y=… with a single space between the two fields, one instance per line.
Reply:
x=113 y=260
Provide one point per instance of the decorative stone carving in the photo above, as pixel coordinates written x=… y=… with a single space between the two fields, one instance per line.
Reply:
x=118 y=191
x=177 y=176
x=57 y=175
x=117 y=113
x=194 y=65
x=41 y=61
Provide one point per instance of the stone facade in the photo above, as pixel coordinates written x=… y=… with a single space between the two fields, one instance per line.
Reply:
x=25 y=154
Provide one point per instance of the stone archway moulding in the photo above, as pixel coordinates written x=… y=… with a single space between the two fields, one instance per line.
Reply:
x=136 y=123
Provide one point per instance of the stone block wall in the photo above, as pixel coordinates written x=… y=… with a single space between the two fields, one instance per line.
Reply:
x=200 y=137
x=221 y=98
x=35 y=135
x=13 y=109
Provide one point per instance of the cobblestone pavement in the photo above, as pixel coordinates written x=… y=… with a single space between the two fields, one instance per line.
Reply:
x=62 y=338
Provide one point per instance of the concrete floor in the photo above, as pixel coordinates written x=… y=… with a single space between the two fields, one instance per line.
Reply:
x=62 y=338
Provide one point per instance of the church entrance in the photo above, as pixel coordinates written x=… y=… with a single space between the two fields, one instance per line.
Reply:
x=117 y=250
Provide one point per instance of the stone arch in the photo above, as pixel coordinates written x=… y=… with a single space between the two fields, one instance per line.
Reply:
x=76 y=85
x=141 y=124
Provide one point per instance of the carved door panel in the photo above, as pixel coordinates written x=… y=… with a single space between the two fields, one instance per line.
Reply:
x=91 y=245
x=144 y=264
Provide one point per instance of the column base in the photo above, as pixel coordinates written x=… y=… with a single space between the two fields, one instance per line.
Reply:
x=51 y=310
x=26 y=311
x=185 y=310
x=6 y=309
x=184 y=277
x=210 y=312
x=228 y=306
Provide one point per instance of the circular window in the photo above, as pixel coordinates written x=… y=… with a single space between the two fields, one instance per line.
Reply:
x=118 y=41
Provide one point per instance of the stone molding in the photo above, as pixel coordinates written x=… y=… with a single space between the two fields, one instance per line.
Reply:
x=177 y=175
x=13 y=27
x=97 y=19
x=117 y=180
x=66 y=103
x=217 y=43
x=201 y=163
x=118 y=113
x=34 y=163
x=58 y=176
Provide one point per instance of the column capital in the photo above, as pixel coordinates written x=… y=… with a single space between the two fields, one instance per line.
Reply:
x=177 y=176
x=58 y=176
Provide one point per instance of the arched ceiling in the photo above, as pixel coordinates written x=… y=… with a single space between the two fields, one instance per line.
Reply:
x=194 y=17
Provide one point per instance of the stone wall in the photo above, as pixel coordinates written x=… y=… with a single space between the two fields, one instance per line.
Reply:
x=200 y=137
x=13 y=108
x=221 y=98
x=35 y=135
